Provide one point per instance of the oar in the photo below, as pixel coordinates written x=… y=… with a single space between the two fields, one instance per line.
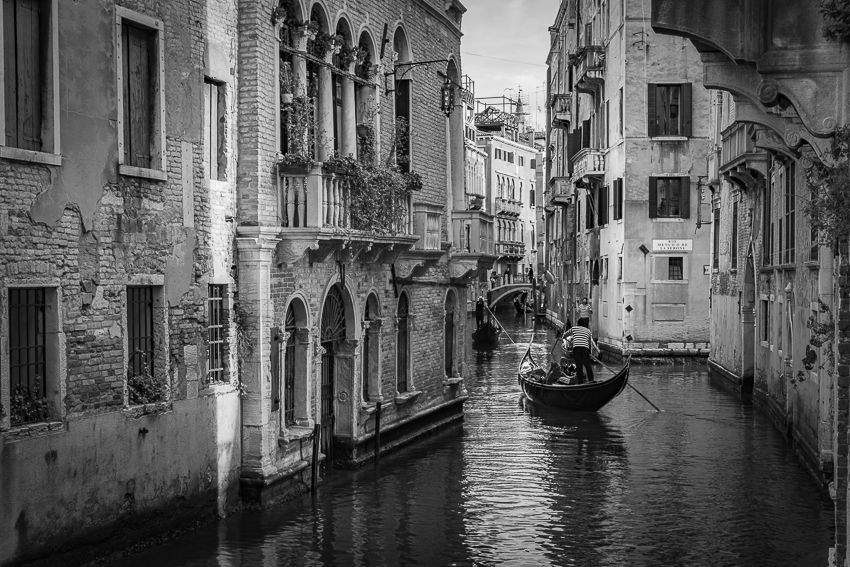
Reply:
x=629 y=383
x=493 y=315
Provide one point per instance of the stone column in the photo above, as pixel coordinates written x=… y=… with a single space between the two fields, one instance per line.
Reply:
x=325 y=111
x=303 y=379
x=255 y=247
x=300 y=36
x=348 y=143
x=346 y=381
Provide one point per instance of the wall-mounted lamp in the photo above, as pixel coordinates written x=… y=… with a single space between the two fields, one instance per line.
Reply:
x=644 y=249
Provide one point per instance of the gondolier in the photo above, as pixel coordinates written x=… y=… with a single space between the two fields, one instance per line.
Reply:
x=582 y=343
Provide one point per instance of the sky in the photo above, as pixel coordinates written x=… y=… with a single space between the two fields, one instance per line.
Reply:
x=513 y=37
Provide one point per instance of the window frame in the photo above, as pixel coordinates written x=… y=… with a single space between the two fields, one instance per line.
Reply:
x=684 y=185
x=157 y=134
x=160 y=368
x=51 y=152
x=55 y=349
x=685 y=120
x=210 y=85
x=223 y=336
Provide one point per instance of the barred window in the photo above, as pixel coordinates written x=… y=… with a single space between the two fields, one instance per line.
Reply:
x=215 y=334
x=27 y=355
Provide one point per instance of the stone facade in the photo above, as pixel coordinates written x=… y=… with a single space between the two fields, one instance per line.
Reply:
x=628 y=140
x=781 y=101
x=160 y=248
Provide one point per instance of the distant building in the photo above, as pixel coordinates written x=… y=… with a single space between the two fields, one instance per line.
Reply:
x=626 y=163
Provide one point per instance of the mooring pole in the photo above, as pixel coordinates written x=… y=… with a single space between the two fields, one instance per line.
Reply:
x=317 y=431
x=377 y=431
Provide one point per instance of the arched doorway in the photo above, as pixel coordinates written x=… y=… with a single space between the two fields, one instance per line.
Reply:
x=332 y=334
x=371 y=350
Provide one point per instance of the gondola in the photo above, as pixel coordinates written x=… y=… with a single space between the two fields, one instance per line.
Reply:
x=590 y=396
x=486 y=334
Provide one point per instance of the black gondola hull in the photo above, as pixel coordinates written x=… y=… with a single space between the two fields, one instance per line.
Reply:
x=581 y=397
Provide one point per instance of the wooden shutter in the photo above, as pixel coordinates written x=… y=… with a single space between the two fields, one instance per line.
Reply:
x=686 y=104
x=652 y=111
x=10 y=73
x=685 y=197
x=618 y=184
x=28 y=44
x=274 y=353
x=585 y=134
x=137 y=53
x=653 y=197
x=211 y=124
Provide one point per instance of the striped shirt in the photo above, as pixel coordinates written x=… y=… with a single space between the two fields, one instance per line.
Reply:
x=581 y=337
x=584 y=311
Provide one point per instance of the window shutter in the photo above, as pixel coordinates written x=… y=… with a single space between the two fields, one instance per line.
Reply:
x=687 y=103
x=28 y=29
x=652 y=113
x=653 y=197
x=10 y=73
x=585 y=134
x=685 y=197
x=137 y=100
x=274 y=353
x=208 y=127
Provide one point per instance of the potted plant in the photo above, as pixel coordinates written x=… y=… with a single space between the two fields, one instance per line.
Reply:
x=286 y=83
x=347 y=56
x=322 y=44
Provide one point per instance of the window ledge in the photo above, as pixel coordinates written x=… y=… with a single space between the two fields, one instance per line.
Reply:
x=669 y=138
x=17 y=154
x=32 y=430
x=453 y=381
x=142 y=172
x=670 y=281
x=135 y=412
x=294 y=433
x=813 y=265
x=218 y=388
x=667 y=219
x=407 y=397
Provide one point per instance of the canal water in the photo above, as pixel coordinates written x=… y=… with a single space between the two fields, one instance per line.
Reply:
x=708 y=481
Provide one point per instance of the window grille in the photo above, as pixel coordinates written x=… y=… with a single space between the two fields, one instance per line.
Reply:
x=289 y=370
x=215 y=334
x=402 y=345
x=675 y=269
x=140 y=329
x=27 y=356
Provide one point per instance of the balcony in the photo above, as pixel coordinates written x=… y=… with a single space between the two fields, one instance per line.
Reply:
x=508 y=207
x=589 y=165
x=562 y=110
x=472 y=233
x=427 y=225
x=561 y=190
x=317 y=216
x=590 y=69
x=510 y=249
x=740 y=162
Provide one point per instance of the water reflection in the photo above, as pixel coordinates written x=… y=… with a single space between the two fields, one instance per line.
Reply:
x=707 y=481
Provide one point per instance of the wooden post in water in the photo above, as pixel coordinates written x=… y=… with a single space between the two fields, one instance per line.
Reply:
x=377 y=431
x=317 y=431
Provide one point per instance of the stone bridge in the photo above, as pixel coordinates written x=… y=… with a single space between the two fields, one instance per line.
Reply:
x=502 y=292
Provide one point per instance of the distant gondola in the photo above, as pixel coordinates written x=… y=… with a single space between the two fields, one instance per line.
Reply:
x=486 y=334
x=591 y=396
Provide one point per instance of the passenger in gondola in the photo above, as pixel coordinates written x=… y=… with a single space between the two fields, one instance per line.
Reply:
x=583 y=345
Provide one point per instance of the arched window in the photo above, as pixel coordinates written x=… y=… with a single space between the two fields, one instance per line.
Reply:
x=403 y=102
x=403 y=345
x=289 y=369
x=449 y=334
x=332 y=333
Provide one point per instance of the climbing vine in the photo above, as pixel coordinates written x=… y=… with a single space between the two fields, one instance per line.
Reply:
x=823 y=335
x=829 y=186
x=836 y=13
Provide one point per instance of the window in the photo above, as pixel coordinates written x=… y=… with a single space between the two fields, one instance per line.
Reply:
x=767 y=224
x=402 y=345
x=814 y=248
x=618 y=199
x=764 y=327
x=521 y=161
x=510 y=157
x=498 y=153
x=669 y=110
x=214 y=135
x=675 y=269
x=589 y=211
x=533 y=163
x=715 y=261
x=449 y=335
x=788 y=256
x=28 y=369
x=289 y=368
x=140 y=79
x=140 y=330
x=669 y=197
x=602 y=213
x=735 y=235
x=622 y=116
x=619 y=268
x=531 y=196
x=216 y=334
